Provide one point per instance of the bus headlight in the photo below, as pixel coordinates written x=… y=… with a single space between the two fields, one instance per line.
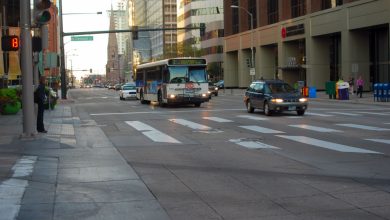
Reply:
x=204 y=95
x=277 y=100
x=172 y=96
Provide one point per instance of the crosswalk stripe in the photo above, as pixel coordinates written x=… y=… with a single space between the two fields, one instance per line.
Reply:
x=252 y=117
x=374 y=113
x=345 y=113
x=252 y=144
x=217 y=119
x=384 y=141
x=261 y=129
x=314 y=128
x=152 y=133
x=327 y=145
x=364 y=127
x=190 y=124
x=318 y=114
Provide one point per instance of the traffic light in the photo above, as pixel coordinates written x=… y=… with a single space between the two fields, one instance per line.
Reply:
x=42 y=15
x=135 y=32
x=248 y=62
x=10 y=43
x=90 y=70
x=202 y=29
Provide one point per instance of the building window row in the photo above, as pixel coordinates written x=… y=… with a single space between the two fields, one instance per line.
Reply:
x=298 y=8
x=212 y=50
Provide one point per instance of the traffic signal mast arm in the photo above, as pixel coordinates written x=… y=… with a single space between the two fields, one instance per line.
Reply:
x=130 y=30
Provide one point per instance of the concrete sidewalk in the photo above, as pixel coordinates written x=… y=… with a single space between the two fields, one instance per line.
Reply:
x=72 y=172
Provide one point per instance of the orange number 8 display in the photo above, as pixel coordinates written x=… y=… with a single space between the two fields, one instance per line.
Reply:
x=15 y=42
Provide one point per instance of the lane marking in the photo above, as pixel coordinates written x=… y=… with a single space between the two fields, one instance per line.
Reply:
x=345 y=113
x=252 y=144
x=152 y=133
x=256 y=118
x=364 y=127
x=190 y=124
x=217 y=119
x=318 y=114
x=294 y=117
x=314 y=128
x=162 y=112
x=384 y=141
x=374 y=113
x=328 y=145
x=261 y=129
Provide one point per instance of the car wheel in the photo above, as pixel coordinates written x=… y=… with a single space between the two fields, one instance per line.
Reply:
x=267 y=111
x=249 y=107
x=301 y=112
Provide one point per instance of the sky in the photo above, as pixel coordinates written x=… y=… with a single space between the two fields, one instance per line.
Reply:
x=86 y=55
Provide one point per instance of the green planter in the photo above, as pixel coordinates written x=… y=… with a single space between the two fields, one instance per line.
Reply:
x=9 y=109
x=52 y=105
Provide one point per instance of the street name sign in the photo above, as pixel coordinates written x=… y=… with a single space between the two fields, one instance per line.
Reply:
x=82 y=38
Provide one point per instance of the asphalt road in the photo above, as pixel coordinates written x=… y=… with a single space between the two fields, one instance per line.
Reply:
x=220 y=162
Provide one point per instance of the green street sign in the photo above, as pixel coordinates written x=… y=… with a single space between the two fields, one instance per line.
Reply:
x=82 y=38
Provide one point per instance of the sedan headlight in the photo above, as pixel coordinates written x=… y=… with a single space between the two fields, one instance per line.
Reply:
x=277 y=100
x=216 y=88
x=303 y=100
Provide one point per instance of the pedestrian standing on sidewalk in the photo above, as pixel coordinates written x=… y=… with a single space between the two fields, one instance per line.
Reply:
x=359 y=84
x=39 y=98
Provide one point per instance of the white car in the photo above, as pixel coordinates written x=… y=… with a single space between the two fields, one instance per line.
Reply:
x=128 y=91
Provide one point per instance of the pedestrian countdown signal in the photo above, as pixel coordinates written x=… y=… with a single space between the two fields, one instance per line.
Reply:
x=10 y=43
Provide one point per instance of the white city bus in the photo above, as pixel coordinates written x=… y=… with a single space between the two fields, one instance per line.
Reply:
x=173 y=81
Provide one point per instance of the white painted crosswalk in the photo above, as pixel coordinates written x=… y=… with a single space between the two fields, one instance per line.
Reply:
x=315 y=128
x=364 y=127
x=151 y=133
x=327 y=145
x=161 y=137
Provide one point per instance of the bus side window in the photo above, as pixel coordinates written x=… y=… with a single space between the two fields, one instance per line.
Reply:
x=165 y=75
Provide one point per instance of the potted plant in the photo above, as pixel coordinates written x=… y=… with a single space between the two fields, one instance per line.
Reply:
x=9 y=101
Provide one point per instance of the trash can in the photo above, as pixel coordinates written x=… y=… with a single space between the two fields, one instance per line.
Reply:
x=386 y=91
x=312 y=92
x=343 y=90
x=305 y=91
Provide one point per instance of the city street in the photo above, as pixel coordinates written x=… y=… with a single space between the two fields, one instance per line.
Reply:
x=220 y=162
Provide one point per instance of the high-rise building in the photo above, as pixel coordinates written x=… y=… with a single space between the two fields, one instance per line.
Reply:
x=209 y=46
x=162 y=14
x=113 y=74
x=314 y=41
x=142 y=47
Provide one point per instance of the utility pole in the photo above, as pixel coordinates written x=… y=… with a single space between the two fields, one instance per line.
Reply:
x=27 y=68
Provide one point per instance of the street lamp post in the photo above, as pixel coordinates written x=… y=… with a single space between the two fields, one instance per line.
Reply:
x=252 y=52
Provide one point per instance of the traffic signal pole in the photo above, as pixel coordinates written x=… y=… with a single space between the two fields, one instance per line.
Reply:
x=29 y=129
x=62 y=56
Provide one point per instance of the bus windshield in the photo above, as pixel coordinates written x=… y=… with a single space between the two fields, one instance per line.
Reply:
x=185 y=74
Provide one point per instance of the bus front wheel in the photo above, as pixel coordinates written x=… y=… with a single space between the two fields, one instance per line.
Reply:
x=160 y=100
x=141 y=98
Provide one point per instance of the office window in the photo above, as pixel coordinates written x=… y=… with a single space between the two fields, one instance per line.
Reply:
x=273 y=8
x=331 y=3
x=298 y=8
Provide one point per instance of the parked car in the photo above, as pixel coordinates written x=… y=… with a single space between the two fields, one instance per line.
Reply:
x=220 y=84
x=128 y=91
x=274 y=96
x=111 y=86
x=118 y=87
x=213 y=90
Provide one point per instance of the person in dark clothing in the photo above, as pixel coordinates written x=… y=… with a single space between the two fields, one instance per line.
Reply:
x=40 y=97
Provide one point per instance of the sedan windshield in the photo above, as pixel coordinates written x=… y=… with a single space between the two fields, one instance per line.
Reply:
x=128 y=88
x=280 y=88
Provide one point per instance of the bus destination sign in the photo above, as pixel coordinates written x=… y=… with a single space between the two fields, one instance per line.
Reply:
x=187 y=62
